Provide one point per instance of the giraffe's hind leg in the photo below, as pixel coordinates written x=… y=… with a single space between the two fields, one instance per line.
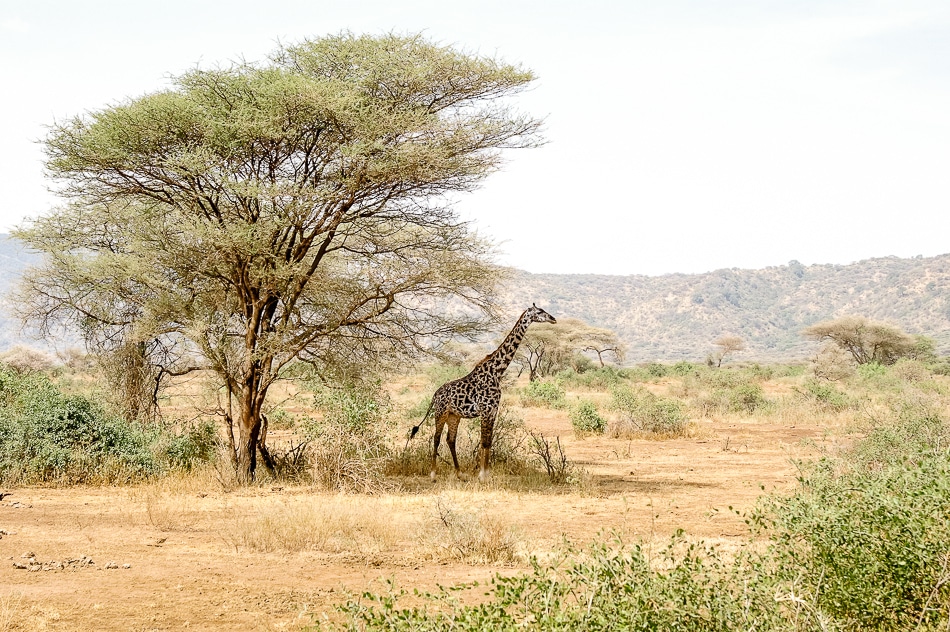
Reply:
x=484 y=448
x=440 y=420
x=453 y=421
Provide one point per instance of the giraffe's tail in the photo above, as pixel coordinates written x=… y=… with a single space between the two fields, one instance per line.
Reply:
x=415 y=429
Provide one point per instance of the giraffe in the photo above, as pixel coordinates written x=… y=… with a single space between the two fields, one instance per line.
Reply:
x=478 y=395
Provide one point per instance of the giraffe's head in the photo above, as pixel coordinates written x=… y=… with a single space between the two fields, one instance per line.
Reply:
x=535 y=314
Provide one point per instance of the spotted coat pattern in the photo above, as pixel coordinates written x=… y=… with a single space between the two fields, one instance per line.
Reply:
x=478 y=394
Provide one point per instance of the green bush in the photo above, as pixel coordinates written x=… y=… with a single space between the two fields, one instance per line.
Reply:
x=827 y=396
x=196 y=444
x=349 y=446
x=356 y=409
x=871 y=371
x=684 y=368
x=543 y=394
x=869 y=550
x=48 y=436
x=586 y=420
x=640 y=411
x=655 y=369
x=747 y=398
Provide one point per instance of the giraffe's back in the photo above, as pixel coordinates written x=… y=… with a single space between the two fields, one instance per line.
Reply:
x=468 y=396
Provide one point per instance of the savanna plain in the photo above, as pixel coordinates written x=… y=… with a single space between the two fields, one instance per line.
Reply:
x=679 y=474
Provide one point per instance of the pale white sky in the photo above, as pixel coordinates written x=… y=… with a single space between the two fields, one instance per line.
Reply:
x=684 y=136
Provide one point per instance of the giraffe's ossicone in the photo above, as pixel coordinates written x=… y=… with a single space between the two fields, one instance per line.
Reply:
x=478 y=394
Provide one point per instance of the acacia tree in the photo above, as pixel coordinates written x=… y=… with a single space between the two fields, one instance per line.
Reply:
x=547 y=349
x=299 y=208
x=866 y=340
x=726 y=345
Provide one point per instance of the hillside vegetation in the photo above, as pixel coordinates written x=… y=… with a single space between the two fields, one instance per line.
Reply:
x=678 y=316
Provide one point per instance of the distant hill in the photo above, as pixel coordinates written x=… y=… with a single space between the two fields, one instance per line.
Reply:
x=677 y=316
x=14 y=259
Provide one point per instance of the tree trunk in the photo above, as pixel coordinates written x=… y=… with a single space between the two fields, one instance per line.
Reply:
x=249 y=432
x=249 y=428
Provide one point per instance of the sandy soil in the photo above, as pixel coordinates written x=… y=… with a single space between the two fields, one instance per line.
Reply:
x=189 y=570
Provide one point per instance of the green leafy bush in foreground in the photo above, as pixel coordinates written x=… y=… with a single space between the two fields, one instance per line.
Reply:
x=48 y=436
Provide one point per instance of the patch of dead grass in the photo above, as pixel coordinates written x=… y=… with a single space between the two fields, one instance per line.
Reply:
x=358 y=526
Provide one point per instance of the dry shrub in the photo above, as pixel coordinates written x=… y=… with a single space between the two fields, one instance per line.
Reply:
x=362 y=529
x=349 y=443
x=551 y=457
x=23 y=359
x=11 y=610
x=482 y=537
x=170 y=513
x=343 y=461
x=832 y=363
x=913 y=371
x=18 y=614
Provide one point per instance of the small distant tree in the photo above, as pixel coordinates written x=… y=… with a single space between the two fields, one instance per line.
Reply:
x=866 y=340
x=726 y=345
x=547 y=349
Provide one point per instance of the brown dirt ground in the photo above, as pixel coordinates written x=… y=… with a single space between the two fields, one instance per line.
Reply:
x=188 y=571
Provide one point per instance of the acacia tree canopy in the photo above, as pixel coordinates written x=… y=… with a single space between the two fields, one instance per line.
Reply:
x=866 y=340
x=725 y=345
x=547 y=349
x=295 y=208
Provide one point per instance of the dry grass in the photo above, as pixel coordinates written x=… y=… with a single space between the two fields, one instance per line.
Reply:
x=11 y=611
x=360 y=528
x=20 y=615
x=481 y=536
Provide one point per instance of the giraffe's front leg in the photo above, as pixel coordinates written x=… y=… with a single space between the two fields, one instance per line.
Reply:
x=484 y=449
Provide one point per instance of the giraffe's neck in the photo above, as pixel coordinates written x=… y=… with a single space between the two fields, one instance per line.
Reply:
x=497 y=361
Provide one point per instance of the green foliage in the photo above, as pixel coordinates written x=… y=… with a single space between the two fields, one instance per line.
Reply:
x=196 y=444
x=640 y=411
x=747 y=398
x=355 y=409
x=656 y=369
x=914 y=427
x=585 y=418
x=683 y=368
x=48 y=436
x=868 y=549
x=788 y=370
x=872 y=371
x=280 y=419
x=827 y=396
x=543 y=394
x=606 y=587
x=599 y=378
